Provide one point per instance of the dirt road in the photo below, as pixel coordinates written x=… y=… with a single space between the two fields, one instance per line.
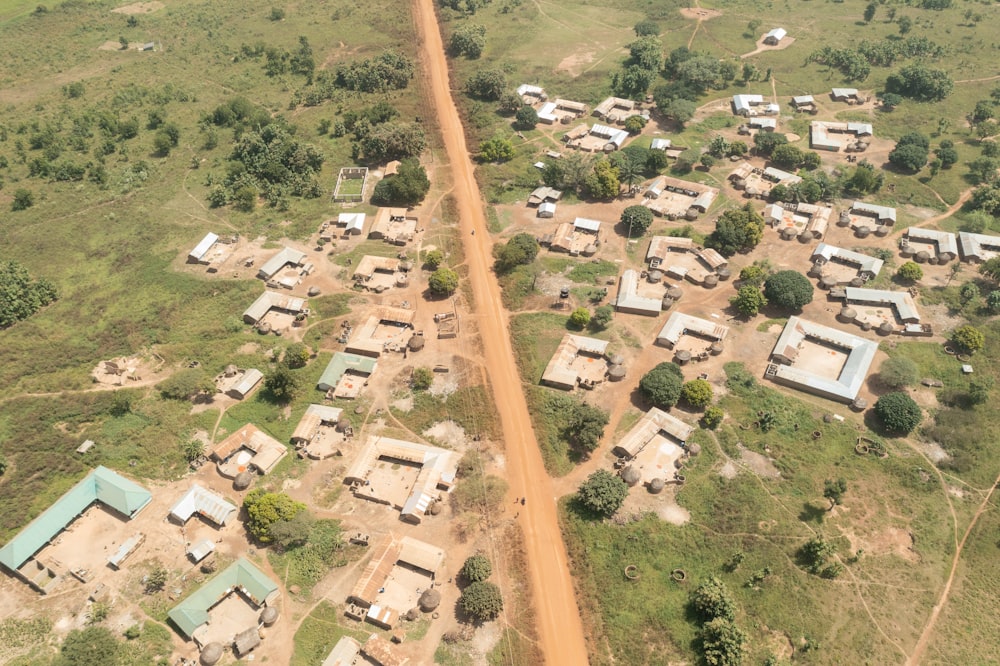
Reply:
x=561 y=636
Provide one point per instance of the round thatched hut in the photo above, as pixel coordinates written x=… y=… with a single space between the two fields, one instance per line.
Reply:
x=402 y=281
x=716 y=348
x=857 y=282
x=242 y=480
x=682 y=356
x=211 y=654
x=666 y=303
x=631 y=476
x=694 y=449
x=435 y=509
x=788 y=233
x=654 y=276
x=692 y=214
x=859 y=404
x=343 y=424
x=863 y=231
x=406 y=266
x=847 y=314
x=711 y=280
x=231 y=370
x=657 y=485
x=616 y=359
x=885 y=328
x=724 y=273
x=429 y=600
x=616 y=373
x=922 y=257
x=590 y=250
x=905 y=249
x=264 y=328
x=866 y=326
x=269 y=616
x=881 y=231
x=844 y=220
x=416 y=342
x=827 y=283
x=675 y=293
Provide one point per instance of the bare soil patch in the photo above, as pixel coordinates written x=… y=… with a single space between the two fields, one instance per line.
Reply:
x=574 y=63
x=699 y=14
x=448 y=433
x=760 y=464
x=140 y=8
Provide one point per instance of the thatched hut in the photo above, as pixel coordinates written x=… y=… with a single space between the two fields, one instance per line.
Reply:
x=694 y=449
x=675 y=293
x=416 y=342
x=631 y=476
x=863 y=231
x=654 y=276
x=827 y=283
x=666 y=303
x=922 y=257
x=881 y=231
x=590 y=250
x=682 y=356
x=847 y=314
x=616 y=359
x=857 y=282
x=716 y=348
x=724 y=273
x=406 y=266
x=269 y=616
x=859 y=404
x=314 y=291
x=711 y=280
x=343 y=424
x=788 y=233
x=844 y=220
x=245 y=642
x=885 y=328
x=429 y=600
x=657 y=485
x=231 y=370
x=242 y=480
x=402 y=280
x=616 y=373
x=211 y=654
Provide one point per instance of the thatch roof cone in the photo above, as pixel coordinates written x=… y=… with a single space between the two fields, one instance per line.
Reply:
x=616 y=373
x=666 y=303
x=231 y=370
x=654 y=276
x=847 y=314
x=657 y=485
x=857 y=282
x=631 y=475
x=211 y=654
x=675 y=293
x=343 y=424
x=716 y=348
x=617 y=359
x=683 y=355
x=242 y=480
x=694 y=449
x=885 y=328
x=429 y=600
x=724 y=273
x=269 y=616
x=711 y=280
x=416 y=342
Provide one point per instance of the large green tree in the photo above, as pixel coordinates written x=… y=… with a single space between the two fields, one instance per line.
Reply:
x=93 y=646
x=662 y=385
x=603 y=492
x=265 y=509
x=482 y=601
x=898 y=412
x=585 y=426
x=636 y=220
x=788 y=289
x=711 y=600
x=407 y=187
x=736 y=230
x=443 y=281
x=476 y=568
x=520 y=250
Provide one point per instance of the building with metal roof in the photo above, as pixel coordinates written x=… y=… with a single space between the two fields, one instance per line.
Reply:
x=315 y=417
x=680 y=324
x=192 y=614
x=353 y=223
x=901 y=302
x=271 y=300
x=101 y=485
x=530 y=94
x=763 y=124
x=978 y=248
x=868 y=267
x=800 y=102
x=652 y=423
x=205 y=503
x=547 y=209
x=344 y=653
x=343 y=363
x=247 y=449
x=628 y=298
x=844 y=94
x=197 y=255
x=285 y=257
x=744 y=105
x=542 y=194
x=945 y=242
x=774 y=36
x=248 y=381
x=561 y=371
x=823 y=135
x=881 y=214
x=615 y=110
x=847 y=383
x=200 y=550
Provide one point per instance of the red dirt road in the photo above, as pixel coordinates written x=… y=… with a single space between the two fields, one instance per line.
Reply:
x=561 y=636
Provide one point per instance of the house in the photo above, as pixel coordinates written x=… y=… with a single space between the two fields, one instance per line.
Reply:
x=868 y=267
x=352 y=223
x=762 y=124
x=344 y=653
x=801 y=218
x=544 y=194
x=774 y=36
x=285 y=257
x=596 y=138
x=821 y=135
x=881 y=214
x=383 y=652
x=393 y=225
x=581 y=237
x=680 y=325
x=386 y=329
x=561 y=111
x=530 y=94
x=198 y=254
x=628 y=298
x=270 y=300
x=661 y=247
x=978 y=248
x=247 y=449
x=942 y=245
x=370 y=265
x=901 y=302
x=849 y=95
x=315 y=417
x=572 y=362
x=205 y=503
x=547 y=209
x=346 y=374
x=246 y=383
x=752 y=105
x=615 y=110
x=110 y=489
x=660 y=144
x=653 y=423
x=803 y=103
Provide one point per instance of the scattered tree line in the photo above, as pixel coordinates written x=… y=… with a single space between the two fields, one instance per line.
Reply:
x=856 y=63
x=20 y=295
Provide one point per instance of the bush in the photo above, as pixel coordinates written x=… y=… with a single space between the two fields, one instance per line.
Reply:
x=910 y=152
x=185 y=384
x=580 y=318
x=20 y=296
x=584 y=426
x=93 y=646
x=697 y=393
x=482 y=600
x=712 y=417
x=264 y=509
x=722 y=643
x=711 y=600
x=788 y=289
x=662 y=385
x=421 y=379
x=603 y=492
x=407 y=188
x=898 y=372
x=737 y=230
x=443 y=281
x=604 y=314
x=434 y=258
x=281 y=385
x=497 y=149
x=968 y=338
x=636 y=220
x=898 y=412
x=910 y=271
x=748 y=300
x=520 y=250
x=476 y=568
x=525 y=118
x=296 y=356
x=23 y=199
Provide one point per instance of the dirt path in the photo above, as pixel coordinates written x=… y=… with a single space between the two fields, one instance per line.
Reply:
x=918 y=651
x=561 y=636
x=954 y=208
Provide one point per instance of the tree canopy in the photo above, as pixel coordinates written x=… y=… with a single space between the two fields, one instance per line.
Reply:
x=910 y=271
x=443 y=281
x=736 y=230
x=662 y=385
x=520 y=250
x=636 y=220
x=389 y=70
x=265 y=509
x=697 y=393
x=788 y=289
x=92 y=646
x=603 y=492
x=898 y=412
x=482 y=600
x=489 y=84
x=921 y=83
x=968 y=338
x=407 y=187
x=748 y=300
x=585 y=426
x=476 y=568
x=712 y=600
x=910 y=152
x=468 y=40
x=20 y=295
x=898 y=371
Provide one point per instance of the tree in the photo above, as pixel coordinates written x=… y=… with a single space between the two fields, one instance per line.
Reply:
x=968 y=293
x=947 y=154
x=991 y=268
x=162 y=143
x=193 y=450
x=898 y=412
x=833 y=490
x=487 y=84
x=264 y=509
x=889 y=100
x=407 y=187
x=602 y=182
x=979 y=390
x=23 y=199
x=390 y=70
x=678 y=109
x=722 y=643
x=712 y=417
x=391 y=141
x=993 y=301
x=20 y=295
x=711 y=600
x=296 y=355
x=697 y=393
x=921 y=83
x=93 y=646
x=281 y=385
x=482 y=601
x=497 y=149
x=603 y=315
x=646 y=52
x=646 y=27
x=584 y=426
x=634 y=125
x=755 y=274
x=156 y=579
x=476 y=568
x=863 y=179
x=898 y=372
x=787 y=156
x=910 y=271
x=294 y=532
x=185 y=384
x=636 y=220
x=815 y=552
x=870 y=10
x=736 y=230
x=443 y=281
x=983 y=111
x=765 y=143
x=603 y=493
x=910 y=152
x=421 y=379
x=748 y=300
x=968 y=338
x=905 y=24
x=468 y=40
x=434 y=258
x=277 y=14
x=662 y=385
x=707 y=161
x=520 y=250
x=788 y=289
x=580 y=318
x=526 y=118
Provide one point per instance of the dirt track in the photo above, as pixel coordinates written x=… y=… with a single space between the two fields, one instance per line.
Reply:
x=561 y=636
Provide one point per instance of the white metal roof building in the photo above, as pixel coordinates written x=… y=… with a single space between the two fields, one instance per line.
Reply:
x=204 y=502
x=286 y=256
x=660 y=144
x=272 y=300
x=774 y=36
x=767 y=124
x=250 y=379
x=559 y=371
x=614 y=136
x=978 y=247
x=649 y=426
x=882 y=214
x=843 y=94
x=900 y=301
x=680 y=324
x=866 y=264
x=528 y=90
x=629 y=300
x=353 y=223
x=743 y=104
x=546 y=113
x=846 y=386
x=584 y=224
x=779 y=176
x=803 y=100
x=547 y=209
x=201 y=249
x=946 y=242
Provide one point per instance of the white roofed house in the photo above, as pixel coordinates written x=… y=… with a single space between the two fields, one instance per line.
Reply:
x=547 y=209
x=286 y=257
x=205 y=503
x=660 y=144
x=803 y=103
x=882 y=215
x=922 y=244
x=198 y=254
x=271 y=300
x=530 y=94
x=849 y=95
x=352 y=223
x=763 y=124
x=629 y=300
x=867 y=267
x=978 y=248
x=615 y=110
x=774 y=36
x=247 y=383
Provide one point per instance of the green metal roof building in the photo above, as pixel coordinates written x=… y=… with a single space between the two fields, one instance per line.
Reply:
x=340 y=364
x=242 y=574
x=101 y=485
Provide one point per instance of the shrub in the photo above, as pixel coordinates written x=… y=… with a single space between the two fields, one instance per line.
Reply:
x=697 y=393
x=637 y=220
x=604 y=313
x=281 y=385
x=185 y=384
x=476 y=568
x=968 y=338
x=722 y=643
x=712 y=417
x=584 y=426
x=23 y=199
x=296 y=356
x=482 y=600
x=93 y=646
x=788 y=289
x=898 y=412
x=898 y=372
x=421 y=379
x=737 y=230
x=525 y=118
x=603 y=492
x=662 y=385
x=711 y=600
x=21 y=296
x=910 y=272
x=748 y=300
x=434 y=258
x=580 y=318
x=520 y=250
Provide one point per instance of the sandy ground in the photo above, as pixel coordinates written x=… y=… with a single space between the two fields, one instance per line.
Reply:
x=561 y=635
x=139 y=8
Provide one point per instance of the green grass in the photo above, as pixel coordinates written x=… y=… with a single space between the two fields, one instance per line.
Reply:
x=535 y=337
x=453 y=654
x=470 y=407
x=591 y=271
x=306 y=565
x=319 y=632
